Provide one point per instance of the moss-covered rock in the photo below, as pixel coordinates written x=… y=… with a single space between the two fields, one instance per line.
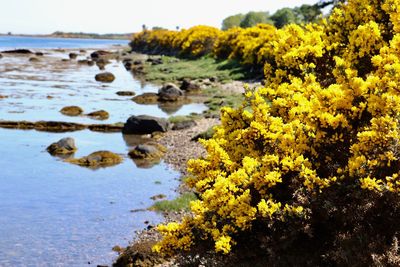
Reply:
x=71 y=111
x=99 y=115
x=62 y=147
x=98 y=159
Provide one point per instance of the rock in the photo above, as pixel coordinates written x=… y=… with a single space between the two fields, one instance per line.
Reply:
x=3 y=96
x=105 y=77
x=155 y=61
x=137 y=62
x=82 y=51
x=71 y=111
x=39 y=54
x=34 y=59
x=144 y=124
x=169 y=92
x=1 y=55
x=146 y=98
x=98 y=159
x=138 y=69
x=18 y=51
x=214 y=79
x=90 y=63
x=99 y=53
x=128 y=65
x=63 y=146
x=58 y=126
x=140 y=254
x=158 y=197
x=83 y=61
x=65 y=60
x=73 y=55
x=106 y=128
x=147 y=151
x=188 y=85
x=183 y=125
x=125 y=93
x=125 y=60
x=101 y=62
x=99 y=115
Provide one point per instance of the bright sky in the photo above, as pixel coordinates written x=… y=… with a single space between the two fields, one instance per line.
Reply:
x=124 y=16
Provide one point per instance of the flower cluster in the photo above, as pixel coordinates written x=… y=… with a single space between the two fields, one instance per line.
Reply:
x=328 y=117
x=194 y=42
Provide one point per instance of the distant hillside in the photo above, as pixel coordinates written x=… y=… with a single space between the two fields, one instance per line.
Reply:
x=91 y=35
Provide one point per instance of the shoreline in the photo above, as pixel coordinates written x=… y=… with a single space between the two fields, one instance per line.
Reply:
x=179 y=144
x=63 y=37
x=180 y=148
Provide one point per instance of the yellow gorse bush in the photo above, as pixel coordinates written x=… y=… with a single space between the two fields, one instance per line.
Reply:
x=328 y=117
x=194 y=42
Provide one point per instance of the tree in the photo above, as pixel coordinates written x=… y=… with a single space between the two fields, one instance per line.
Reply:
x=232 y=21
x=284 y=16
x=308 y=13
x=253 y=18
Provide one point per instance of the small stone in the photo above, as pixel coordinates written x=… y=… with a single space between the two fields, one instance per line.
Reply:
x=170 y=92
x=73 y=55
x=62 y=147
x=125 y=93
x=105 y=77
x=71 y=111
x=99 y=115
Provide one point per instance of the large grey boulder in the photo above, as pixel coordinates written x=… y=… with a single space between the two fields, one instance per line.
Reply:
x=170 y=92
x=144 y=124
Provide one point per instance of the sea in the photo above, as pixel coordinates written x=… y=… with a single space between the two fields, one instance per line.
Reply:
x=17 y=42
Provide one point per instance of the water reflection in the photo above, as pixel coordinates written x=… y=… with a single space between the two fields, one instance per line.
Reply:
x=54 y=212
x=43 y=88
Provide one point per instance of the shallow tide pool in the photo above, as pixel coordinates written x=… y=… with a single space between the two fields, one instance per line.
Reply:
x=57 y=214
x=53 y=213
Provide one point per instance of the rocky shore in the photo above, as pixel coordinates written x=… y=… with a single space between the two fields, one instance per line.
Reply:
x=173 y=142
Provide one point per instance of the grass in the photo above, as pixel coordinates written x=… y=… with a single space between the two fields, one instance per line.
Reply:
x=208 y=134
x=177 y=119
x=180 y=203
x=218 y=98
x=202 y=68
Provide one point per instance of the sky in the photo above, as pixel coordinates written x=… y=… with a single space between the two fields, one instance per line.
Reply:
x=124 y=16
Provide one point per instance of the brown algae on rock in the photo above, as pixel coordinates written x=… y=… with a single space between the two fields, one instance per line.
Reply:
x=147 y=155
x=99 y=115
x=71 y=111
x=62 y=147
x=97 y=160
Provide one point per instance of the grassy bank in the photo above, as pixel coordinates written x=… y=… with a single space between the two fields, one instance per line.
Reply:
x=172 y=69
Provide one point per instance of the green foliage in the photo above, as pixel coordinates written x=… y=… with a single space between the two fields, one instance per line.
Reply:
x=284 y=16
x=303 y=14
x=253 y=18
x=308 y=13
x=232 y=21
x=178 y=204
x=205 y=67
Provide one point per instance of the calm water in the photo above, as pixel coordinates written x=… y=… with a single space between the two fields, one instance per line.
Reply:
x=12 y=42
x=54 y=213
